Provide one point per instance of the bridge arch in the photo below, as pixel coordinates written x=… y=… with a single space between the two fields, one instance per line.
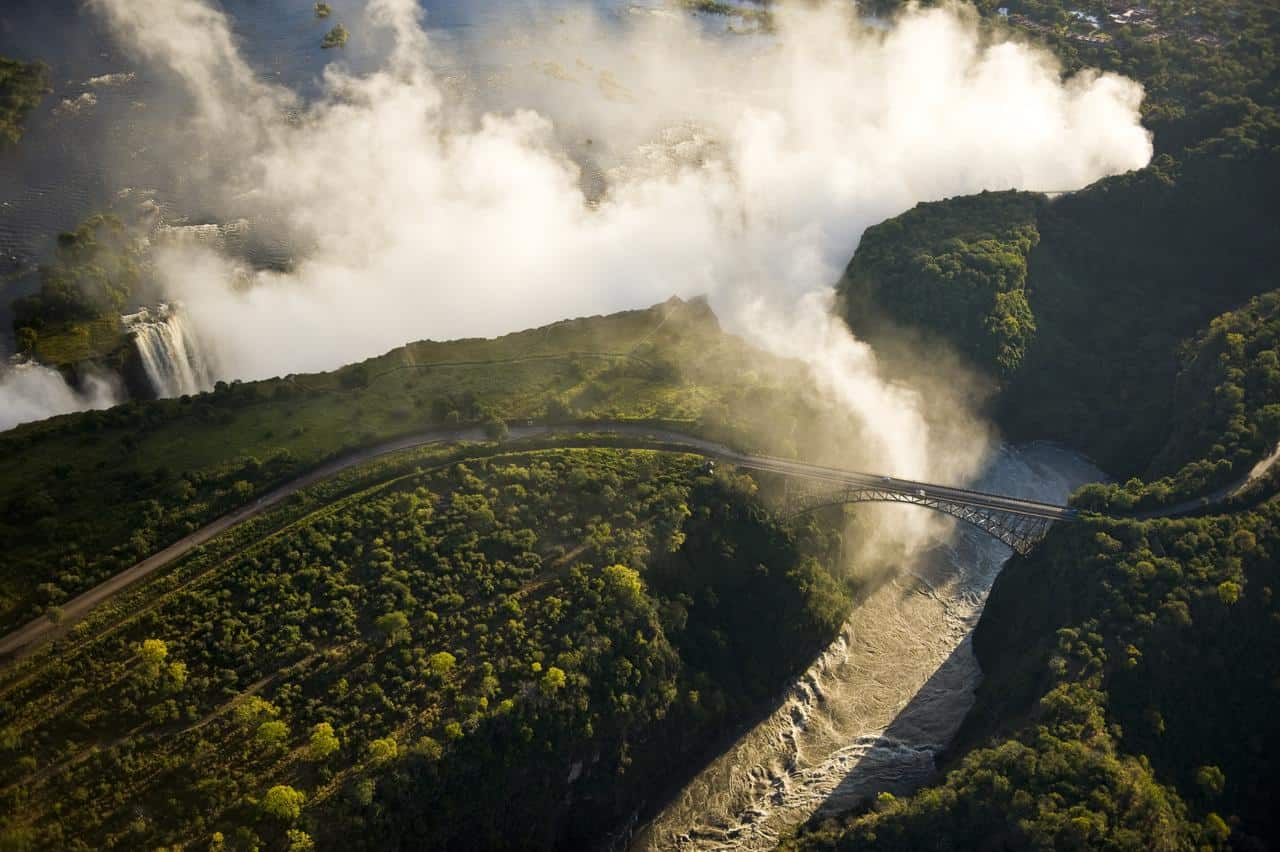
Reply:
x=1021 y=532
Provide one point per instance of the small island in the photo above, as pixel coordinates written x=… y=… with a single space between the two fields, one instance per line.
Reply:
x=336 y=37
x=22 y=86
x=323 y=10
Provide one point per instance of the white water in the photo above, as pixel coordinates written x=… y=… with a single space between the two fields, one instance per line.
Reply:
x=881 y=701
x=169 y=352
x=31 y=391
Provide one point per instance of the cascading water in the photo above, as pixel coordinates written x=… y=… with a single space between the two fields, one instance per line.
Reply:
x=169 y=351
x=872 y=712
x=32 y=391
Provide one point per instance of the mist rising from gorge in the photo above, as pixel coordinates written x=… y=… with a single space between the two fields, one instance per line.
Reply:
x=582 y=166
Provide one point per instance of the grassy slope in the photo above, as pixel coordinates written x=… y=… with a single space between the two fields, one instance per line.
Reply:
x=86 y=495
x=75 y=342
x=502 y=564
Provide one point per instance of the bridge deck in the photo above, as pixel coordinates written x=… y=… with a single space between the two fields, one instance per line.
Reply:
x=906 y=487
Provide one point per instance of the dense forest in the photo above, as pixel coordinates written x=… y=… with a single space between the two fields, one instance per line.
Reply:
x=1130 y=665
x=22 y=86
x=89 y=494
x=1131 y=675
x=1081 y=307
x=529 y=642
x=1085 y=308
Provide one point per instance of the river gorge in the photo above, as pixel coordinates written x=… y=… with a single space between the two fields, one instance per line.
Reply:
x=875 y=709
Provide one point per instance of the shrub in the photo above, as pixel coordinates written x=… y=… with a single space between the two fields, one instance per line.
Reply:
x=283 y=803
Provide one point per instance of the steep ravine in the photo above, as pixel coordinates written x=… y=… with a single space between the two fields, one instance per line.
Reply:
x=880 y=702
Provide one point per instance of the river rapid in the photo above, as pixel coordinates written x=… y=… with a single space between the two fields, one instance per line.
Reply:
x=878 y=705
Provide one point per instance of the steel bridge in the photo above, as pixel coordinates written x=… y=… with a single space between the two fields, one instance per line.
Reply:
x=1020 y=531
x=1017 y=522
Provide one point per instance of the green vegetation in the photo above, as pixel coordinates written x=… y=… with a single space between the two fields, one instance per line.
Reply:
x=1207 y=66
x=570 y=626
x=323 y=10
x=1226 y=412
x=958 y=268
x=1083 y=308
x=336 y=37
x=85 y=496
x=752 y=11
x=1131 y=675
x=75 y=315
x=22 y=86
x=1130 y=666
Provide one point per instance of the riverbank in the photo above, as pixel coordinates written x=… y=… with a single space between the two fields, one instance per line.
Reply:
x=876 y=708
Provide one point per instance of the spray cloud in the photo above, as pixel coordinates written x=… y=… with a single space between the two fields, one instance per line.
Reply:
x=31 y=391
x=580 y=166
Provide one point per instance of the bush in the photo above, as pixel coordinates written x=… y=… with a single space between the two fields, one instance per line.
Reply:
x=382 y=750
x=323 y=742
x=336 y=37
x=284 y=803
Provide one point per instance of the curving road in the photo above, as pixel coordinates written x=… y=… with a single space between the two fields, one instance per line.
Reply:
x=1226 y=492
x=78 y=607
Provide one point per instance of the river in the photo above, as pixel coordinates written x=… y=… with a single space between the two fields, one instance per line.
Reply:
x=876 y=707
x=872 y=711
x=100 y=141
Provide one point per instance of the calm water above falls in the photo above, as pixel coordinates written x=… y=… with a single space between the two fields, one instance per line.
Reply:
x=875 y=708
x=97 y=142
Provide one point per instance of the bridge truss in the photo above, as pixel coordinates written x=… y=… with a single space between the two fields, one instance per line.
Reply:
x=1019 y=531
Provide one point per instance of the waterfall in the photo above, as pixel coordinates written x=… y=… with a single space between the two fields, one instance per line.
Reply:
x=31 y=391
x=169 y=351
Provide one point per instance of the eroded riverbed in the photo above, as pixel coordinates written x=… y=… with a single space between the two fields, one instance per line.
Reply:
x=879 y=704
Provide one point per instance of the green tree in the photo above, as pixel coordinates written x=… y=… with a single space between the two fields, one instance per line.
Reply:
x=273 y=734
x=323 y=742
x=151 y=655
x=254 y=709
x=428 y=748
x=441 y=663
x=552 y=681
x=153 y=652
x=283 y=803
x=336 y=37
x=382 y=750
x=624 y=583
x=496 y=429
x=1210 y=780
x=299 y=841
x=392 y=626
